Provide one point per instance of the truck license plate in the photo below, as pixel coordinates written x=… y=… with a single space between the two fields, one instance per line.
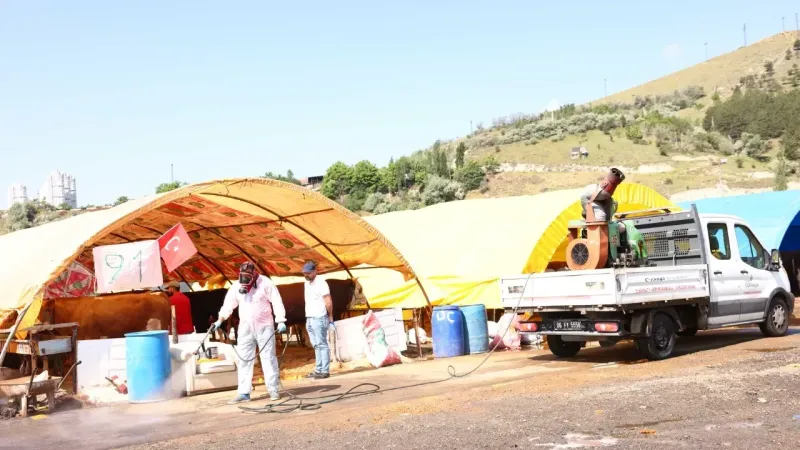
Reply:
x=568 y=325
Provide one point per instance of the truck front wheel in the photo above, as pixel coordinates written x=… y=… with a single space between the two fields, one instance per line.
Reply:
x=661 y=342
x=777 y=323
x=562 y=348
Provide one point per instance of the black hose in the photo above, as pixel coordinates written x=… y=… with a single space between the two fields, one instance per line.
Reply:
x=306 y=403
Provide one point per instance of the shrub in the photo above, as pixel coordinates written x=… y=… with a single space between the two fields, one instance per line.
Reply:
x=668 y=181
x=440 y=190
x=796 y=45
x=355 y=202
x=373 y=201
x=739 y=162
x=754 y=145
x=716 y=98
x=634 y=133
x=694 y=92
x=781 y=173
x=491 y=165
x=788 y=55
x=470 y=176
x=791 y=143
x=769 y=68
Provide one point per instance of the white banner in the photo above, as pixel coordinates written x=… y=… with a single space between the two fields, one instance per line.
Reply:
x=127 y=267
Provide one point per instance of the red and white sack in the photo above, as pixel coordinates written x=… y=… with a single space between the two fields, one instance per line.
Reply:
x=510 y=339
x=379 y=354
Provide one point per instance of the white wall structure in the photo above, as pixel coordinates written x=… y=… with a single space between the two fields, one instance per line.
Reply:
x=59 y=188
x=17 y=193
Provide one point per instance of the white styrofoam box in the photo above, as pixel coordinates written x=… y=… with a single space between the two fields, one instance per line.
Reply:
x=350 y=339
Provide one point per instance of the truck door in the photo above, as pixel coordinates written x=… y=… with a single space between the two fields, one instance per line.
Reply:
x=725 y=276
x=757 y=282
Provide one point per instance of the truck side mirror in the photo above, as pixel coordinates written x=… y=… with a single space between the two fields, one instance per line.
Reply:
x=775 y=259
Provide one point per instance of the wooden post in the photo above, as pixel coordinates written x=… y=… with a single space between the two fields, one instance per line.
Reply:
x=174 y=323
x=416 y=332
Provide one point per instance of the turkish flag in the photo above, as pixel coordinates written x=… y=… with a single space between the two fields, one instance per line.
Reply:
x=176 y=247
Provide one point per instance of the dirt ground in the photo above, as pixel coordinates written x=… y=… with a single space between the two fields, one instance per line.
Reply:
x=724 y=389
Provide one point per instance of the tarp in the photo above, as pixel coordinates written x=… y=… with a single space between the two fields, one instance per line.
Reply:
x=459 y=250
x=276 y=225
x=773 y=216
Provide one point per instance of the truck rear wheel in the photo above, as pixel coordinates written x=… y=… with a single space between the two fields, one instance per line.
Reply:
x=562 y=348
x=777 y=323
x=661 y=342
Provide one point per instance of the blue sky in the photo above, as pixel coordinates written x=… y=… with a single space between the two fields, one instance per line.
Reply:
x=114 y=92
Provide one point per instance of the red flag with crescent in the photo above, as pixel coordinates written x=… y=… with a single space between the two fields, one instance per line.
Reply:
x=176 y=247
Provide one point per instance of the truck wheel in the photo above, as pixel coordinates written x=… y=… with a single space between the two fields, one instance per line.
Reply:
x=661 y=342
x=777 y=323
x=691 y=331
x=562 y=348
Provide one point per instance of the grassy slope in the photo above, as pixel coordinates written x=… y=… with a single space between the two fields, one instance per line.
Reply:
x=722 y=72
x=687 y=174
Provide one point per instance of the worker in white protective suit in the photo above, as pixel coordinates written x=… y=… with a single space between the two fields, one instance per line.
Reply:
x=257 y=298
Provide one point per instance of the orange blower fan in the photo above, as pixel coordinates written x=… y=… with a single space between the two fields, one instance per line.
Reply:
x=589 y=250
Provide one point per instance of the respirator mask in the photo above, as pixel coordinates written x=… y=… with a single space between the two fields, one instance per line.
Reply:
x=247 y=277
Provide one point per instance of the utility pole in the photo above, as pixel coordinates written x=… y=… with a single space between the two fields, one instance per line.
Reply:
x=783 y=24
x=605 y=87
x=706 y=45
x=171 y=174
x=470 y=127
x=744 y=30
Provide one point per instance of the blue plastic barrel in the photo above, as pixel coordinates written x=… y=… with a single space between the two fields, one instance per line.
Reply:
x=147 y=366
x=448 y=331
x=476 y=329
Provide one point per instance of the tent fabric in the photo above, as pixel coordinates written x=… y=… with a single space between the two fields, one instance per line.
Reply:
x=459 y=250
x=276 y=225
x=773 y=216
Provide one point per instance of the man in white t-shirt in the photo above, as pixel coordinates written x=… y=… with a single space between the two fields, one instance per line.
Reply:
x=319 y=317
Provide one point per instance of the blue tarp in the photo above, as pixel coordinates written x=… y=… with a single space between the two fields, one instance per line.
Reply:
x=773 y=216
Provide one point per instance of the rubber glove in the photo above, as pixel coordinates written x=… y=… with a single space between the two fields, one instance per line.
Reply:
x=216 y=325
x=281 y=327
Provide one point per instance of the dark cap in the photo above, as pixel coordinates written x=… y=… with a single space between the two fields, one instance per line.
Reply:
x=309 y=267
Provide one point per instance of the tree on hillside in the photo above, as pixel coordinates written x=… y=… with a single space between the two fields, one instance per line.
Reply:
x=20 y=216
x=461 y=150
x=769 y=68
x=791 y=143
x=366 y=179
x=166 y=187
x=437 y=161
x=64 y=206
x=288 y=178
x=470 y=175
x=781 y=173
x=336 y=182
x=388 y=178
x=796 y=45
x=121 y=200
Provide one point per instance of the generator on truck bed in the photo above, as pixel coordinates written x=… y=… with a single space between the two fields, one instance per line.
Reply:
x=693 y=272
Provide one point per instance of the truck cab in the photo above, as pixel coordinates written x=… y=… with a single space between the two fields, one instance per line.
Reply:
x=703 y=271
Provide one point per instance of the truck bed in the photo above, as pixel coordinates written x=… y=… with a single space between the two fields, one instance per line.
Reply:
x=604 y=288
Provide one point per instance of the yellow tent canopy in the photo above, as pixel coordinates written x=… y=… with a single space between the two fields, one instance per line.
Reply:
x=275 y=225
x=460 y=249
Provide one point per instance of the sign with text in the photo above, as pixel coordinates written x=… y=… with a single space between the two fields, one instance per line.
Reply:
x=176 y=247
x=127 y=267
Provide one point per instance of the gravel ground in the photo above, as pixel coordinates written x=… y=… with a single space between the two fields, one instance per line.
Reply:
x=725 y=390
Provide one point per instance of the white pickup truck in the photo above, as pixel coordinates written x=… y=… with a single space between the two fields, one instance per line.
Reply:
x=707 y=271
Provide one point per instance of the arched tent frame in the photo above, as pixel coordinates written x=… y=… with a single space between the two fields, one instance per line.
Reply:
x=227 y=220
